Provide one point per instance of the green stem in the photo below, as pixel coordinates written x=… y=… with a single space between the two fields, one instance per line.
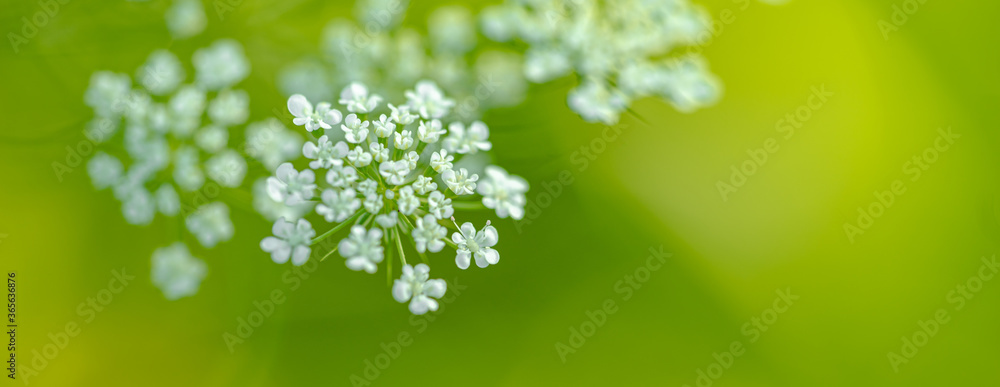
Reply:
x=408 y=222
x=328 y=254
x=388 y=267
x=467 y=205
x=336 y=228
x=399 y=243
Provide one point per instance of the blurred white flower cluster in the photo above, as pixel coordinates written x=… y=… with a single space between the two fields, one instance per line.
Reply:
x=393 y=179
x=388 y=58
x=620 y=50
x=186 y=18
x=176 y=145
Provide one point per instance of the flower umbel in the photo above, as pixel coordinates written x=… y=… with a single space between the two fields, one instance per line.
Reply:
x=414 y=286
x=392 y=186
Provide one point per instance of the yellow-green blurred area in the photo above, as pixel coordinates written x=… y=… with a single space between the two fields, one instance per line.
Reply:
x=655 y=184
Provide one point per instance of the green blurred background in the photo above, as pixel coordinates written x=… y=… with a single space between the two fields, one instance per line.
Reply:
x=654 y=185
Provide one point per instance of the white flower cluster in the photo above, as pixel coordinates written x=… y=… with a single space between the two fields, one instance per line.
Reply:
x=618 y=49
x=186 y=18
x=393 y=178
x=176 y=272
x=389 y=58
x=175 y=143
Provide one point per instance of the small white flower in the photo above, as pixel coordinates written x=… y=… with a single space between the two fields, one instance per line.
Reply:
x=402 y=115
x=272 y=209
x=503 y=192
x=324 y=153
x=384 y=127
x=227 y=168
x=424 y=184
x=452 y=29
x=499 y=23
x=403 y=140
x=441 y=161
x=387 y=221
x=429 y=235
x=323 y=117
x=411 y=159
x=211 y=138
x=220 y=65
x=689 y=84
x=161 y=73
x=186 y=18
x=105 y=170
x=362 y=250
x=210 y=224
x=407 y=202
x=414 y=286
x=135 y=105
x=596 y=102
x=272 y=143
x=138 y=207
x=341 y=176
x=338 y=205
x=355 y=97
x=107 y=93
x=230 y=107
x=175 y=272
x=394 y=172
x=289 y=240
x=354 y=129
x=379 y=152
x=373 y=203
x=188 y=101
x=187 y=174
x=543 y=65
x=461 y=140
x=439 y=206
x=368 y=187
x=430 y=132
x=476 y=244
x=167 y=200
x=158 y=118
x=428 y=100
x=460 y=182
x=359 y=157
x=290 y=186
